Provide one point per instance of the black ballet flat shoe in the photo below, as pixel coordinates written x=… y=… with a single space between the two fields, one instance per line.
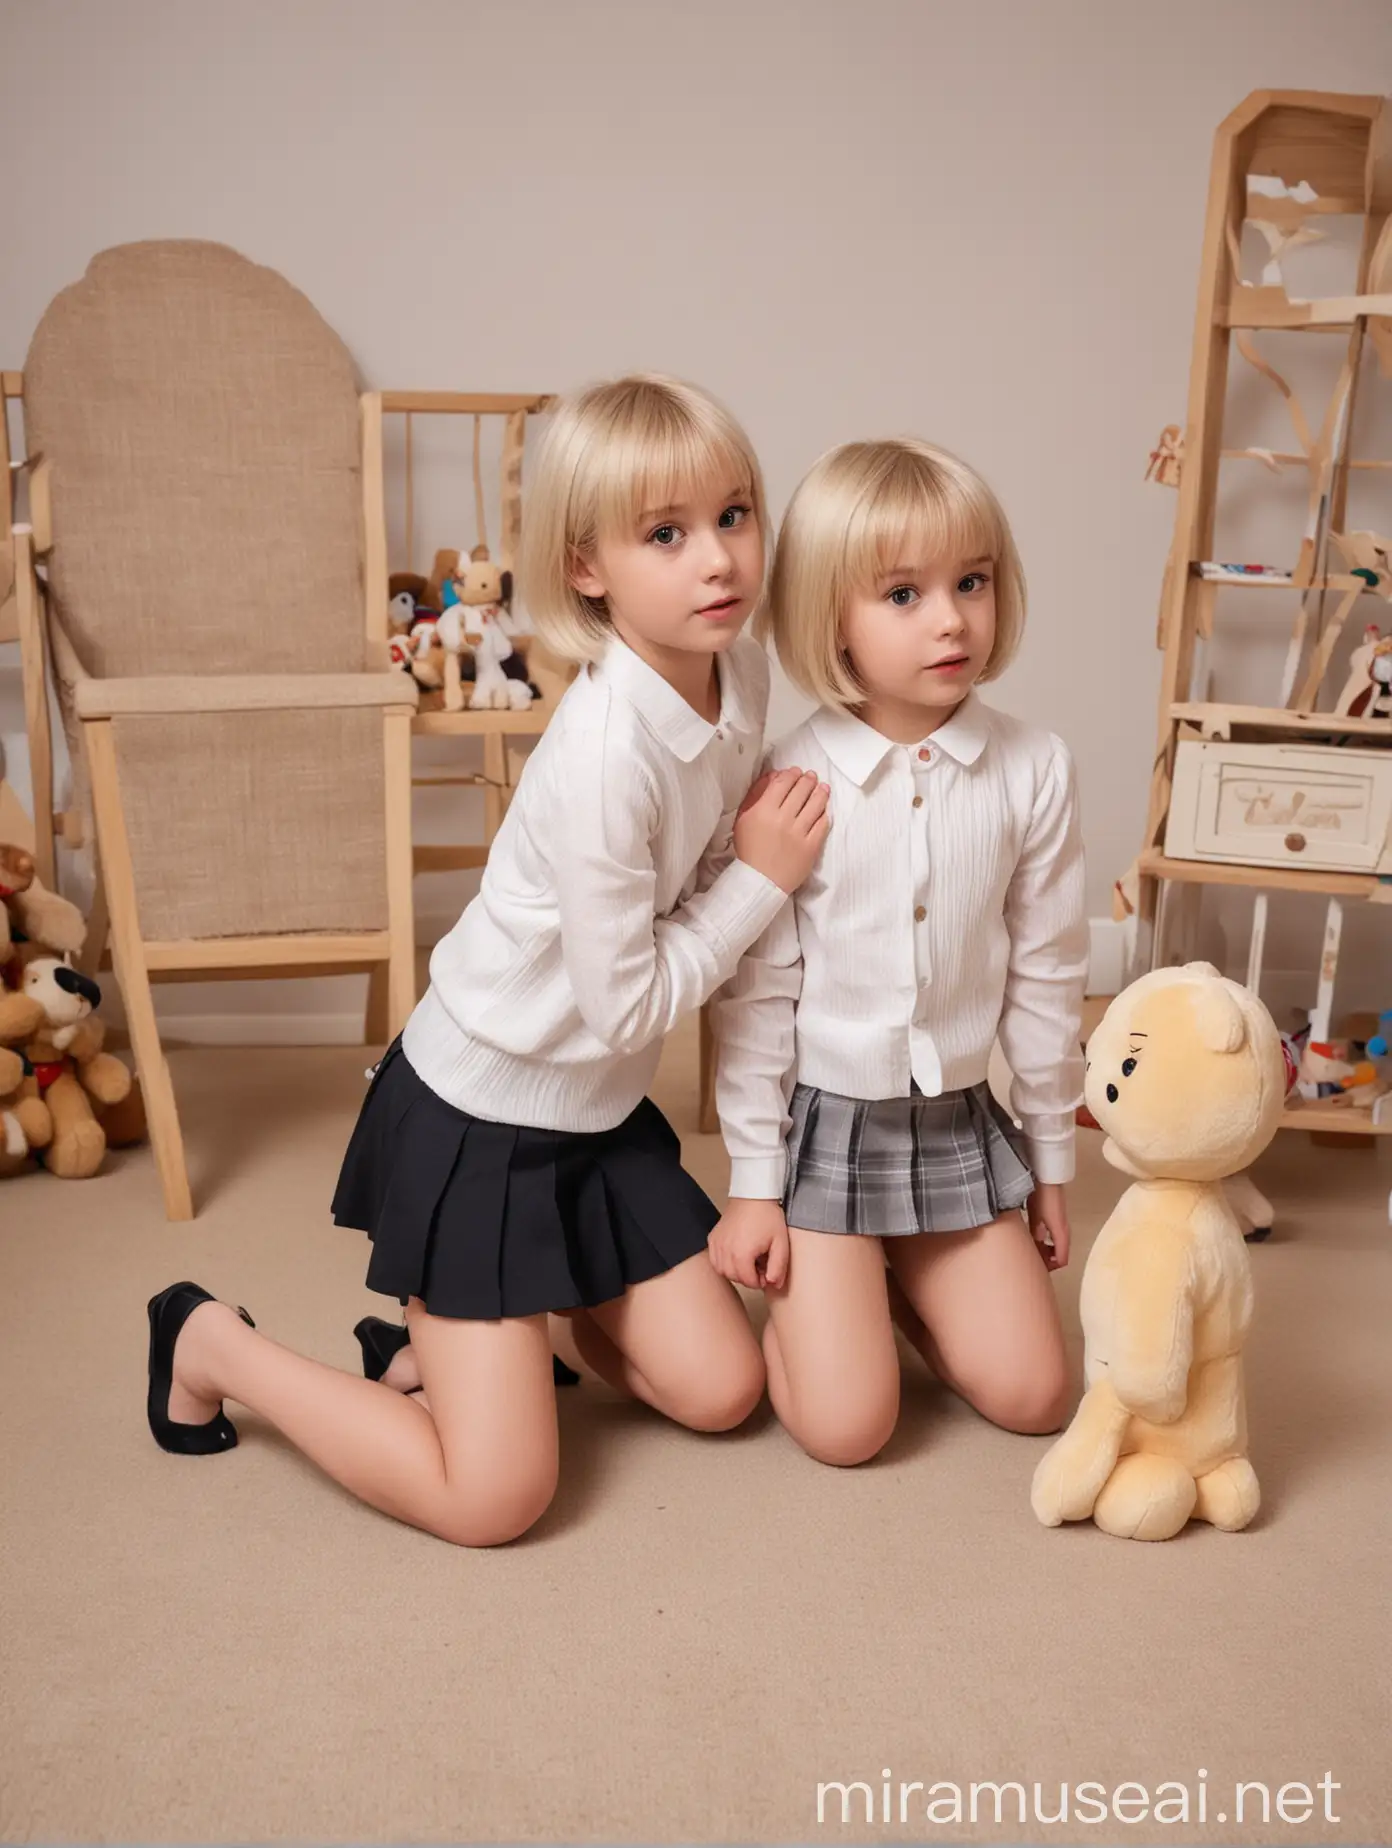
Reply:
x=168 y=1312
x=381 y=1342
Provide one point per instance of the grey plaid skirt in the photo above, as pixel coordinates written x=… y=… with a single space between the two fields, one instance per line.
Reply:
x=901 y=1165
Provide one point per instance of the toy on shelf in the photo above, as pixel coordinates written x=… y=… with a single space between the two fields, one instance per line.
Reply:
x=474 y=617
x=91 y=1096
x=1167 y=457
x=1186 y=1077
x=1380 y=1045
x=1367 y=693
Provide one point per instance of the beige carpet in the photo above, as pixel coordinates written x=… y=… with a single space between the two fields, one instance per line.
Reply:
x=701 y=1630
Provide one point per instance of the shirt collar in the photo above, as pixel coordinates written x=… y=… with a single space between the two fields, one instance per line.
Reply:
x=667 y=715
x=858 y=750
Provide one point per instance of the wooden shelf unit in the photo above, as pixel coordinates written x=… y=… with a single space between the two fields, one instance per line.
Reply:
x=1341 y=147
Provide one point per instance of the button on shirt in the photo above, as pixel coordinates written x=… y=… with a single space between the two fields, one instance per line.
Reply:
x=611 y=905
x=947 y=909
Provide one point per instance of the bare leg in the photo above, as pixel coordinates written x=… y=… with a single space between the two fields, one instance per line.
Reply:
x=832 y=1367
x=990 y=1323
x=681 y=1342
x=476 y=1468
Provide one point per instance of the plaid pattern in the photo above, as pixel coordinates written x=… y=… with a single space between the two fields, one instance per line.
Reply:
x=901 y=1165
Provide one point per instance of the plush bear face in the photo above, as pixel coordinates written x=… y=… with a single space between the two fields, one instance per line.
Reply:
x=480 y=581
x=1186 y=1076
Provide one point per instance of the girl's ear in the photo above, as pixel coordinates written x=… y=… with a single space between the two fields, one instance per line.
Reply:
x=582 y=578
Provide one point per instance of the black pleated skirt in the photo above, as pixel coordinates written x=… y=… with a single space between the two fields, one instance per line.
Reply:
x=482 y=1220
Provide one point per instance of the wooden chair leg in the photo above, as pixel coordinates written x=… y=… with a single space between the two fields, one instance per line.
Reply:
x=394 y=993
x=34 y=677
x=708 y=1119
x=89 y=960
x=129 y=957
x=377 y=1019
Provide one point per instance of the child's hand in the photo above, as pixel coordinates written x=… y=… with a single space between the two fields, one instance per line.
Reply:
x=750 y=1244
x=1048 y=1223
x=781 y=825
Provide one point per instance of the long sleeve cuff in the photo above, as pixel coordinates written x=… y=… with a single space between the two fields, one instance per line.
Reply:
x=738 y=907
x=758 y=1177
x=1051 y=1139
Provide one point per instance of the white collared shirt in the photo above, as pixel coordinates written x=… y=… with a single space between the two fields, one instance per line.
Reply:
x=947 y=908
x=611 y=904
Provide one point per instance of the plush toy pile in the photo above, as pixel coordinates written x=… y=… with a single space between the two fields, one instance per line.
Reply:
x=456 y=626
x=63 y=1100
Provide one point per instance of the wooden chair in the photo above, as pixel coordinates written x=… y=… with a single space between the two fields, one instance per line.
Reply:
x=206 y=502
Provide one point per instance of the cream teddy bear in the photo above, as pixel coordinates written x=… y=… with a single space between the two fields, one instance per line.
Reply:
x=1187 y=1078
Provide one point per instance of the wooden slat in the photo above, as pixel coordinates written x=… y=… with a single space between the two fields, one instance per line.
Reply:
x=132 y=972
x=465 y=403
x=13 y=384
x=1328 y=1119
x=374 y=521
x=1280 y=718
x=529 y=723
x=448 y=859
x=1156 y=865
x=401 y=954
x=288 y=952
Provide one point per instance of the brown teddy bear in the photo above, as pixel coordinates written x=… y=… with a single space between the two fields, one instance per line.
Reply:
x=88 y=1092
x=25 y=1122
x=29 y=912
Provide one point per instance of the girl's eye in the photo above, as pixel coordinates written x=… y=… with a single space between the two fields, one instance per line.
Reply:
x=1127 y=1067
x=974 y=580
x=734 y=516
x=663 y=535
x=903 y=596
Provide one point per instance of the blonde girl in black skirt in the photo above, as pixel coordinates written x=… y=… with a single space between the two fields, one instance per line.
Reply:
x=872 y=1174
x=507 y=1162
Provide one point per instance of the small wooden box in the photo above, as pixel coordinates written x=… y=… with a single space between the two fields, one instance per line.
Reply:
x=1295 y=805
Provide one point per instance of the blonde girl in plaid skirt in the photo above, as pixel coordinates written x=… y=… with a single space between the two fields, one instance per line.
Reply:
x=873 y=1176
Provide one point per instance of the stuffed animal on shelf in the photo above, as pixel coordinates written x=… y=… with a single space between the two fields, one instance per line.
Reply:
x=88 y=1092
x=1187 y=1078
x=413 y=610
x=1367 y=692
x=474 y=617
x=25 y=1122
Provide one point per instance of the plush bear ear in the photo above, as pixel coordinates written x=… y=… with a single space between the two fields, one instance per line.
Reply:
x=1220 y=1020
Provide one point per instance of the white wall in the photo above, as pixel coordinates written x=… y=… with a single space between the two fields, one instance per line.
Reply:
x=977 y=222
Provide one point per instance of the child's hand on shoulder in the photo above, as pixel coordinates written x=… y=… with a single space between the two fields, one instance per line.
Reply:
x=750 y=1244
x=781 y=826
x=1048 y=1222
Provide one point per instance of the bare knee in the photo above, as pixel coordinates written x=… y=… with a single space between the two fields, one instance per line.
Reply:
x=727 y=1398
x=1034 y=1404
x=848 y=1433
x=496 y=1515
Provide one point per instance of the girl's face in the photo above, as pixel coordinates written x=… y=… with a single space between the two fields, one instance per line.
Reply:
x=685 y=578
x=923 y=632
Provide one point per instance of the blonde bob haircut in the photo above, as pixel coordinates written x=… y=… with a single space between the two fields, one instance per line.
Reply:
x=861 y=511
x=609 y=453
